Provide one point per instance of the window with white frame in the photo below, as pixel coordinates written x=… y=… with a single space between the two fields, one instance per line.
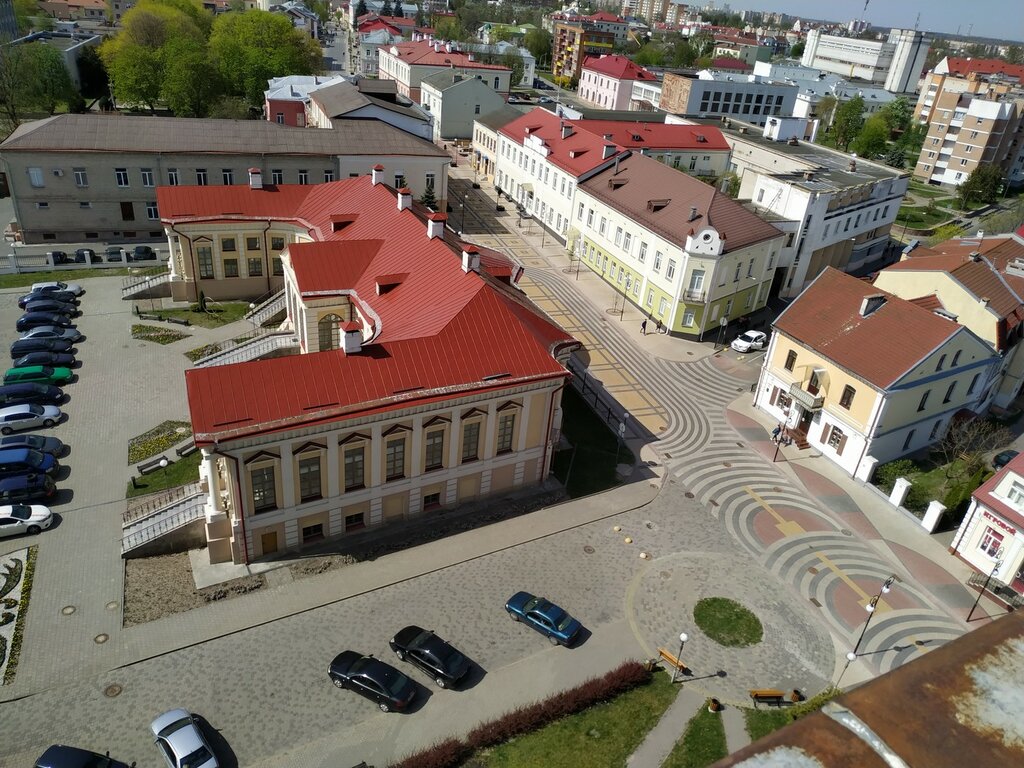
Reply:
x=81 y=177
x=1016 y=493
x=642 y=255
x=434 y=450
x=590 y=217
x=991 y=542
x=657 y=261
x=604 y=225
x=470 y=441
x=355 y=468
x=264 y=489
x=579 y=211
x=309 y=477
x=688 y=317
x=618 y=235
x=650 y=297
x=151 y=212
x=662 y=307
x=506 y=431
x=121 y=176
x=670 y=269
x=394 y=458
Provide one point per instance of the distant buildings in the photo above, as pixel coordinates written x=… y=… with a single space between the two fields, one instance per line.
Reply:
x=454 y=101
x=285 y=100
x=574 y=39
x=897 y=63
x=332 y=106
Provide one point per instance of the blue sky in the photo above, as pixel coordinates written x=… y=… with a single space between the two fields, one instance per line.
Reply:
x=991 y=18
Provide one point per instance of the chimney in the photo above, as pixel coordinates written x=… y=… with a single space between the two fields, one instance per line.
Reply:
x=377 y=176
x=808 y=175
x=255 y=178
x=693 y=213
x=353 y=341
x=981 y=234
x=566 y=131
x=435 y=224
x=404 y=198
x=472 y=56
x=470 y=259
x=871 y=303
x=437 y=46
x=607 y=151
x=447 y=47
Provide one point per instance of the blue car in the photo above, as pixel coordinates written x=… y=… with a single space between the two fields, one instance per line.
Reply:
x=544 y=616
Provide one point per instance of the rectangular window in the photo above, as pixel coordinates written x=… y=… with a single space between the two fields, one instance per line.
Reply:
x=974 y=383
x=81 y=177
x=121 y=175
x=228 y=176
x=924 y=400
x=230 y=267
x=618 y=235
x=277 y=243
x=255 y=267
x=736 y=275
x=252 y=243
x=264 y=494
x=227 y=244
x=151 y=211
x=642 y=255
x=835 y=438
x=354 y=468
x=279 y=117
x=354 y=522
x=127 y=211
x=394 y=464
x=204 y=254
x=201 y=177
x=627 y=242
x=590 y=217
x=328 y=176
x=657 y=261
x=1016 y=494
x=303 y=177
x=949 y=393
x=604 y=225
x=991 y=542
x=35 y=177
x=278 y=267
x=172 y=177
x=147 y=177
x=309 y=479
x=435 y=450
x=471 y=441
x=790 y=360
x=662 y=307
x=846 y=400
x=276 y=176
x=312 y=532
x=506 y=430
x=650 y=297
x=670 y=269
x=688 y=318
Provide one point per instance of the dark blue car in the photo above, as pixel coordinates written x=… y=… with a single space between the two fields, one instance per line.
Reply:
x=31 y=320
x=45 y=394
x=44 y=444
x=544 y=616
x=21 y=488
x=432 y=655
x=25 y=346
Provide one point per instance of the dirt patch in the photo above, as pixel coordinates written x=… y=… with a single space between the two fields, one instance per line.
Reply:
x=320 y=565
x=162 y=585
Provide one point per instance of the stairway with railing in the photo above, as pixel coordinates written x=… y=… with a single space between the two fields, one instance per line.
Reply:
x=252 y=346
x=266 y=310
x=133 y=285
x=149 y=522
x=1002 y=591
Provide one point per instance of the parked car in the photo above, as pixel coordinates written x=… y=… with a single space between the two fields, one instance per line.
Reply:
x=51 y=445
x=57 y=285
x=52 y=332
x=143 y=253
x=87 y=256
x=29 y=345
x=430 y=654
x=1000 y=460
x=373 y=679
x=58 y=257
x=59 y=756
x=22 y=488
x=62 y=297
x=544 y=616
x=181 y=742
x=35 y=319
x=44 y=394
x=37 y=374
x=749 y=341
x=545 y=100
x=25 y=461
x=38 y=305
x=114 y=253
x=16 y=418
x=52 y=359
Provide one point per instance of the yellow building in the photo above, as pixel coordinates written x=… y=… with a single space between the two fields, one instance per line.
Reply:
x=865 y=376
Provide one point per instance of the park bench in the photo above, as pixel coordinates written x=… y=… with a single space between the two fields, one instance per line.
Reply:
x=178 y=320
x=673 y=661
x=767 y=696
x=186 y=450
x=149 y=466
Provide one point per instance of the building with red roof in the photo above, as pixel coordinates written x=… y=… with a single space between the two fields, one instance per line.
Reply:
x=408 y=63
x=608 y=80
x=962 y=67
x=424 y=378
x=864 y=376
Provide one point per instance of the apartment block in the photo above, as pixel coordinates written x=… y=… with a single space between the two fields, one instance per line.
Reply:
x=408 y=63
x=708 y=94
x=607 y=81
x=573 y=42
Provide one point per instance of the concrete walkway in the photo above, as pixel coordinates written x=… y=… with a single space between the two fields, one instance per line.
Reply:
x=661 y=739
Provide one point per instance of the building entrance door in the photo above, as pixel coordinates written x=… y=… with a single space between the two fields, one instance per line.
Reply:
x=269 y=542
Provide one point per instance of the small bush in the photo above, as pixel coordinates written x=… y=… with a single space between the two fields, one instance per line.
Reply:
x=887 y=474
x=812 y=705
x=444 y=754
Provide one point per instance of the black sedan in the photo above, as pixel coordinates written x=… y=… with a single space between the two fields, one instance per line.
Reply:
x=38 y=319
x=22 y=347
x=51 y=445
x=50 y=305
x=51 y=359
x=31 y=392
x=66 y=296
x=431 y=655
x=372 y=679
x=87 y=256
x=143 y=253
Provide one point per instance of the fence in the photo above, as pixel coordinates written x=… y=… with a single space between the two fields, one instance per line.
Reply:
x=594 y=394
x=163 y=524
x=153 y=503
x=1003 y=591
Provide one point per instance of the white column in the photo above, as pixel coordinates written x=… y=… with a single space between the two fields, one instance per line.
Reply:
x=374 y=457
x=488 y=451
x=453 y=444
x=415 y=463
x=287 y=477
x=524 y=420
x=214 y=508
x=333 y=468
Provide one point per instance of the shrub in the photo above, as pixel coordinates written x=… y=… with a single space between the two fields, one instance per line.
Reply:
x=444 y=754
x=813 y=704
x=14 y=652
x=887 y=474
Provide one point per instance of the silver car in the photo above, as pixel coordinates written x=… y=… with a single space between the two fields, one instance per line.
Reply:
x=28 y=416
x=57 y=285
x=181 y=742
x=52 y=332
x=24 y=518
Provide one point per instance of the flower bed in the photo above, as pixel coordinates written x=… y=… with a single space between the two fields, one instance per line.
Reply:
x=157 y=334
x=157 y=440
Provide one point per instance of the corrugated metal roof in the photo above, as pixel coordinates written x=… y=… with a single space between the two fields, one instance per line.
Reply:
x=577 y=154
x=344 y=98
x=422 y=53
x=648 y=135
x=617 y=67
x=170 y=135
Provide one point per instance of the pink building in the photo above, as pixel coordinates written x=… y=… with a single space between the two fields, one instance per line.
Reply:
x=608 y=80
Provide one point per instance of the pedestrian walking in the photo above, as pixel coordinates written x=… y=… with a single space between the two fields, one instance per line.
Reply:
x=775 y=433
x=659 y=326
x=643 y=328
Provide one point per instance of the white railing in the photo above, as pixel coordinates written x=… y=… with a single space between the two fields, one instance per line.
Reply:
x=267 y=309
x=253 y=349
x=133 y=285
x=159 y=524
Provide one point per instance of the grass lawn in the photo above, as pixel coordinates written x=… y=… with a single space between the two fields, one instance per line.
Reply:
x=727 y=622
x=702 y=744
x=761 y=722
x=922 y=218
x=71 y=275
x=603 y=735
x=181 y=472
x=927 y=190
x=216 y=314
x=593 y=469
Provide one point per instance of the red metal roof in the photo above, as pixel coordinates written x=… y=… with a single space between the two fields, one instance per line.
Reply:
x=576 y=154
x=985 y=494
x=422 y=53
x=439 y=331
x=729 y=62
x=656 y=135
x=617 y=67
x=958 y=66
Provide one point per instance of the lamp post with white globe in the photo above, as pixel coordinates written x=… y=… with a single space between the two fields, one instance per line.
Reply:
x=683 y=637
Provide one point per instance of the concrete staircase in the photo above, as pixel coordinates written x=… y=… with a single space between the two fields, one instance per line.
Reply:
x=161 y=520
x=138 y=285
x=261 y=345
x=267 y=311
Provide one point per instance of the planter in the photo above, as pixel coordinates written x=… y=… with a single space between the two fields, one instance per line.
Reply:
x=714 y=705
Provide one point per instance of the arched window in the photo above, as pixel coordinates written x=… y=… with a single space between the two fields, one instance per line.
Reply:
x=330 y=332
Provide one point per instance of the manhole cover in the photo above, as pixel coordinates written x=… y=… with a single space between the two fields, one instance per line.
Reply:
x=588 y=549
x=67 y=610
x=688 y=495
x=846 y=532
x=101 y=638
x=812 y=570
x=112 y=605
x=112 y=690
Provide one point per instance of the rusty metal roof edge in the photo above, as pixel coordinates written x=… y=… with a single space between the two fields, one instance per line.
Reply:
x=846 y=718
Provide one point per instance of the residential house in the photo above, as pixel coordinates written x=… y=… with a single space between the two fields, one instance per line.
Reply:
x=300 y=16
x=74 y=10
x=485 y=138
x=608 y=80
x=285 y=100
x=497 y=53
x=337 y=105
x=491 y=32
x=408 y=63
x=687 y=255
x=389 y=413
x=92 y=177
x=370 y=35
x=742 y=48
x=864 y=376
x=454 y=101
x=697 y=150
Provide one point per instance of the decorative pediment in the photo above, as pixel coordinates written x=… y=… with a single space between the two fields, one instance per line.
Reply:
x=397 y=428
x=310 y=446
x=509 y=405
x=474 y=412
x=436 y=421
x=355 y=437
x=261 y=456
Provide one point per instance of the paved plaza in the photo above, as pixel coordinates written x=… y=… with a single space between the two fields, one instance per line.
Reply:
x=801 y=545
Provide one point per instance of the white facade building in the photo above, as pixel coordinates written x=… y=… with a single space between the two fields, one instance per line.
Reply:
x=896 y=63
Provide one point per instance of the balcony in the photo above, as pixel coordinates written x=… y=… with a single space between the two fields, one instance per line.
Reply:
x=808 y=401
x=696 y=296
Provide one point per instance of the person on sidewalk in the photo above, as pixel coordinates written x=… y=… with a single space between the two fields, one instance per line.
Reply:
x=775 y=433
x=659 y=326
x=643 y=328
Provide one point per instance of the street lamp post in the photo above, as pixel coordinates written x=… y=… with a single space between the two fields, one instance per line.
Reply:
x=252 y=306
x=683 y=637
x=722 y=323
x=992 y=574
x=870 y=608
x=462 y=216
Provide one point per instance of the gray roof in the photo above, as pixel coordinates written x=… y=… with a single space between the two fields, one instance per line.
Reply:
x=340 y=99
x=500 y=117
x=124 y=133
x=449 y=78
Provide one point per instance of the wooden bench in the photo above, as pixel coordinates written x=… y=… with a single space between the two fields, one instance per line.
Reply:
x=671 y=659
x=186 y=450
x=149 y=466
x=767 y=696
x=177 y=320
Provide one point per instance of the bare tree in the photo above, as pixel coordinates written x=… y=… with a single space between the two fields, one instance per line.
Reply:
x=966 y=441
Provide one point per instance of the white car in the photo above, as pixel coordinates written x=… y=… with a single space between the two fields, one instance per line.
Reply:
x=181 y=742
x=24 y=518
x=57 y=285
x=748 y=341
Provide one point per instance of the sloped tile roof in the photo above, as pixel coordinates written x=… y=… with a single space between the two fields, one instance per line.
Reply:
x=986 y=493
x=958 y=66
x=617 y=67
x=422 y=53
x=879 y=348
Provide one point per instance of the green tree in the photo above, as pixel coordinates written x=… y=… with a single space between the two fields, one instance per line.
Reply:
x=650 y=56
x=896 y=157
x=984 y=183
x=683 y=54
x=897 y=114
x=92 y=74
x=49 y=83
x=24 y=13
x=361 y=9
x=428 y=198
x=252 y=47
x=872 y=139
x=191 y=81
x=15 y=70
x=1015 y=54
x=135 y=74
x=848 y=122
x=386 y=9
x=514 y=62
x=231 y=108
x=399 y=12
x=826 y=109
x=420 y=20
x=797 y=50
x=538 y=42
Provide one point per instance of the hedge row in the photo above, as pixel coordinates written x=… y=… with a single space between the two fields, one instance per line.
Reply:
x=452 y=752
